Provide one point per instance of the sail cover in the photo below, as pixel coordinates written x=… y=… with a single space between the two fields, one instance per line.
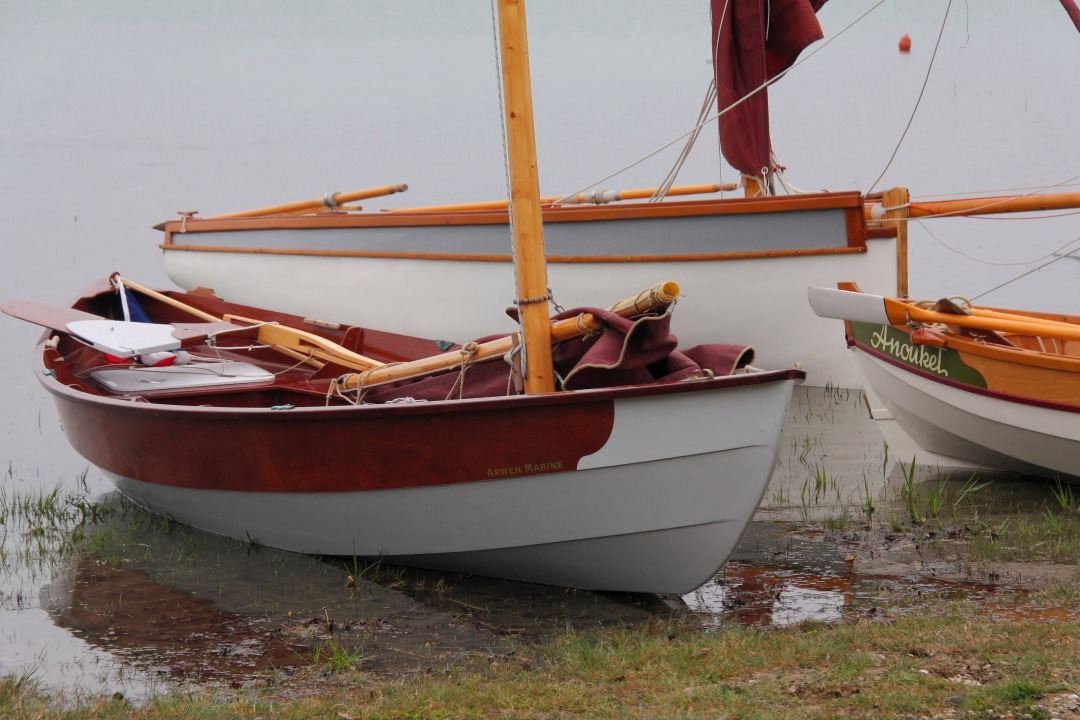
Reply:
x=753 y=42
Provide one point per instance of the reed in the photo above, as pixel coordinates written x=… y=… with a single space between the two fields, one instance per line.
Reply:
x=337 y=658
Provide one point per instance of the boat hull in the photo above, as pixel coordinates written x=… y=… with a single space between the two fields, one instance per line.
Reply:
x=954 y=405
x=743 y=267
x=611 y=490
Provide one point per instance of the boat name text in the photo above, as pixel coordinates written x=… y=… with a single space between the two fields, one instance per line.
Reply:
x=526 y=469
x=918 y=355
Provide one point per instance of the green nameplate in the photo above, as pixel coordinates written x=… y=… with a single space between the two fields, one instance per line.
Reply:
x=938 y=361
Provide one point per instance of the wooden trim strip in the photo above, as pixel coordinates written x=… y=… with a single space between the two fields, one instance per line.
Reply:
x=847 y=201
x=457 y=257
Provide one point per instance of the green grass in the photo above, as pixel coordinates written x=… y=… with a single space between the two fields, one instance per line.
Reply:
x=905 y=667
x=1028 y=520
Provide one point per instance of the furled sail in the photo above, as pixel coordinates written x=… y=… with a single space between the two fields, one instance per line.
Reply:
x=753 y=42
x=1074 y=12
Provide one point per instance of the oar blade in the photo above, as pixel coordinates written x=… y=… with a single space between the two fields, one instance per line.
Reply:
x=847 y=305
x=54 y=317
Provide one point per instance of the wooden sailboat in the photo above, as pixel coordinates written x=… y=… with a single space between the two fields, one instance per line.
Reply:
x=997 y=388
x=638 y=470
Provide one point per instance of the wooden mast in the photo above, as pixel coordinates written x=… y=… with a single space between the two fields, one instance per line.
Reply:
x=895 y=202
x=530 y=264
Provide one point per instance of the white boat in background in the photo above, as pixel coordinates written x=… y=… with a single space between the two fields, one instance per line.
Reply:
x=743 y=265
x=999 y=389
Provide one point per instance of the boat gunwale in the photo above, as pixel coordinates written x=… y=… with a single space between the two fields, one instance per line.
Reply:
x=159 y=405
x=575 y=259
x=846 y=200
x=1045 y=404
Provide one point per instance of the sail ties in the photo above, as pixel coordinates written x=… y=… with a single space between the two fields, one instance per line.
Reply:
x=468 y=354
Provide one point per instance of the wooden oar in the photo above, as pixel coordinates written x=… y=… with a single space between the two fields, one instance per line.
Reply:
x=302 y=206
x=598 y=198
x=863 y=307
x=298 y=344
x=983 y=312
x=656 y=297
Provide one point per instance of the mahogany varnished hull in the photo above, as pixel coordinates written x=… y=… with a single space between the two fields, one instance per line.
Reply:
x=642 y=488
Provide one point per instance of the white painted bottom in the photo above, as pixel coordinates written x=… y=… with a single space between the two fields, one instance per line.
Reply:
x=965 y=428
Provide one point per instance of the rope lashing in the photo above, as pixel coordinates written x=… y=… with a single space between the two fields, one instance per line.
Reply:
x=585 y=330
x=468 y=352
x=354 y=397
x=549 y=297
x=514 y=380
x=878 y=212
x=532 y=301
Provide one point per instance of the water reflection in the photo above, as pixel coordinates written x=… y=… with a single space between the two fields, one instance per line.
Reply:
x=185 y=605
x=192 y=605
x=753 y=595
x=162 y=628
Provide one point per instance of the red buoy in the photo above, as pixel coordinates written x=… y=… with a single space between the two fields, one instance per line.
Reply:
x=905 y=44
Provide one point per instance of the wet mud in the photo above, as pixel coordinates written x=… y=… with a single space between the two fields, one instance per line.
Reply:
x=199 y=608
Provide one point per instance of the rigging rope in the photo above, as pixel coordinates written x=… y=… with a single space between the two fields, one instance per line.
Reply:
x=1008 y=282
x=665 y=186
x=990 y=262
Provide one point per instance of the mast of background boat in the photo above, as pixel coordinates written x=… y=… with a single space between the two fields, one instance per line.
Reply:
x=530 y=265
x=896 y=203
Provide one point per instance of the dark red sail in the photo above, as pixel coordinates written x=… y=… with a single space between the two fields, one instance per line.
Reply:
x=1074 y=12
x=753 y=42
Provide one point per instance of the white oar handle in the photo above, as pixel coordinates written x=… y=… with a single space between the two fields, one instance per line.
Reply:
x=847 y=305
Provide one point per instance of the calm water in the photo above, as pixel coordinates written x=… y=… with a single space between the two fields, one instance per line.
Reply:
x=113 y=116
